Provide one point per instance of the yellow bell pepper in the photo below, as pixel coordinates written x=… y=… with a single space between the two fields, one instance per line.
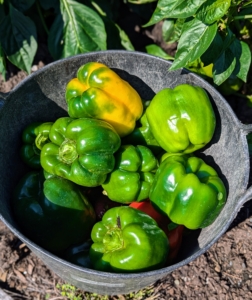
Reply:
x=98 y=92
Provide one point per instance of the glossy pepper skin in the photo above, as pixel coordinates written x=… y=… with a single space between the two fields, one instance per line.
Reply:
x=52 y=212
x=188 y=191
x=81 y=150
x=132 y=176
x=34 y=136
x=98 y=92
x=174 y=232
x=127 y=240
x=78 y=254
x=182 y=119
x=142 y=135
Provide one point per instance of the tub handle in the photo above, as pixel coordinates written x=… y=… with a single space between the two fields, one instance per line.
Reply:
x=246 y=196
x=246 y=128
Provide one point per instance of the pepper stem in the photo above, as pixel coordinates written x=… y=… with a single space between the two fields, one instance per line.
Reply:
x=113 y=239
x=118 y=220
x=41 y=140
x=67 y=152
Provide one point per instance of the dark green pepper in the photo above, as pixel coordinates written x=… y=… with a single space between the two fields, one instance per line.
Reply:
x=128 y=240
x=182 y=119
x=34 y=136
x=53 y=213
x=188 y=191
x=81 y=150
x=133 y=174
x=79 y=254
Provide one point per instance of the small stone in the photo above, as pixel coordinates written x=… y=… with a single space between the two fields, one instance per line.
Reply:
x=217 y=269
x=34 y=68
x=176 y=282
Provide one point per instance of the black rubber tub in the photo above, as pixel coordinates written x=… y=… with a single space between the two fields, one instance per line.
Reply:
x=40 y=97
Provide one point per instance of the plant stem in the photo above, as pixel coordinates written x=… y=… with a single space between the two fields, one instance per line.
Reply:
x=42 y=18
x=247 y=4
x=242 y=17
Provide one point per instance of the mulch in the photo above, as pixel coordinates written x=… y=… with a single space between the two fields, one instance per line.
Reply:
x=223 y=272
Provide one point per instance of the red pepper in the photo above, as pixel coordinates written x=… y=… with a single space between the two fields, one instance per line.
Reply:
x=173 y=231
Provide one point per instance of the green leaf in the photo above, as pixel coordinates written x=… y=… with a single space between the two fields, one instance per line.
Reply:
x=223 y=67
x=2 y=63
x=47 y=4
x=21 y=45
x=167 y=29
x=196 y=37
x=242 y=54
x=213 y=10
x=213 y=51
x=83 y=31
x=226 y=63
x=154 y=49
x=171 y=30
x=125 y=41
x=245 y=62
x=105 y=7
x=174 y=9
x=22 y=5
x=229 y=38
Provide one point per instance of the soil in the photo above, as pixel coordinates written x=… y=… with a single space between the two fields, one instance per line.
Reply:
x=223 y=272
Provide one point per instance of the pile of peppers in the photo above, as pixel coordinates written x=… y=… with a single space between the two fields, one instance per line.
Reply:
x=114 y=185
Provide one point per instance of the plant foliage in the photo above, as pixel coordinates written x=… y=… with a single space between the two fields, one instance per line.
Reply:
x=212 y=31
x=206 y=32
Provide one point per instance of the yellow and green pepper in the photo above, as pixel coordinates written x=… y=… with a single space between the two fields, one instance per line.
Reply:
x=98 y=92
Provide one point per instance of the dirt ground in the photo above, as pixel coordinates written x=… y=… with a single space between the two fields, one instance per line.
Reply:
x=223 y=272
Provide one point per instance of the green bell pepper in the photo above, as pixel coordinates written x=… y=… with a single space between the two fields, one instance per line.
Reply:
x=79 y=254
x=81 y=150
x=52 y=212
x=188 y=191
x=34 y=136
x=132 y=176
x=128 y=240
x=181 y=119
x=142 y=135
